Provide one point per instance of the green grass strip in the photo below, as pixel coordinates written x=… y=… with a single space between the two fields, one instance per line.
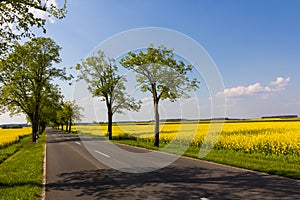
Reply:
x=21 y=174
x=8 y=151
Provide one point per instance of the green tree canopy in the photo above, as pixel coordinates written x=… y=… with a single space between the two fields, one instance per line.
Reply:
x=26 y=79
x=100 y=73
x=17 y=19
x=72 y=113
x=50 y=105
x=162 y=75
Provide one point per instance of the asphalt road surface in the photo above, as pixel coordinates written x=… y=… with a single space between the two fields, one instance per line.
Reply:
x=73 y=171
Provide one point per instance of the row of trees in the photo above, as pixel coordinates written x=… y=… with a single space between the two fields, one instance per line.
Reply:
x=69 y=113
x=27 y=72
x=27 y=75
x=27 y=85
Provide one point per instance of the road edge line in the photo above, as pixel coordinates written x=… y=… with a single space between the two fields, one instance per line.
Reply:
x=43 y=196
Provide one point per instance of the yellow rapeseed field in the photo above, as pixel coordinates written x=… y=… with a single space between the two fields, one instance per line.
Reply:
x=8 y=136
x=268 y=137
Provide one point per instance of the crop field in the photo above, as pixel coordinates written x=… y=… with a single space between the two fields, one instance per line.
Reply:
x=269 y=137
x=9 y=136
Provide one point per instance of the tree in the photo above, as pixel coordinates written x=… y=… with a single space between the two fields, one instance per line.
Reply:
x=161 y=74
x=72 y=113
x=17 y=17
x=100 y=72
x=26 y=78
x=61 y=119
x=50 y=105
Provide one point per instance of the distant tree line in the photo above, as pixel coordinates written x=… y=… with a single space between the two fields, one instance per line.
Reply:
x=280 y=116
x=69 y=113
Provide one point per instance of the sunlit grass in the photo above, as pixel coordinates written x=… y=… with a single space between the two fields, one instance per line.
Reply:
x=21 y=172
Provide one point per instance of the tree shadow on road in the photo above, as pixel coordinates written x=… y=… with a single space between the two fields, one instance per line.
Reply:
x=175 y=183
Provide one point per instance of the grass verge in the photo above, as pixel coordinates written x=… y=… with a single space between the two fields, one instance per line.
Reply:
x=282 y=165
x=7 y=151
x=21 y=172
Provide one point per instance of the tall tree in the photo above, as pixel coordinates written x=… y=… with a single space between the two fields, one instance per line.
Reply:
x=100 y=72
x=17 y=17
x=26 y=79
x=162 y=75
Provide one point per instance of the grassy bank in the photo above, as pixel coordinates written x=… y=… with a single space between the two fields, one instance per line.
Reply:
x=21 y=169
x=282 y=165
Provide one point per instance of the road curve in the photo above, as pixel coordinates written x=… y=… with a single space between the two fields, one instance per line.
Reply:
x=73 y=173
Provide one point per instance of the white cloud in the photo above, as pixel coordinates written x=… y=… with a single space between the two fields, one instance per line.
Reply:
x=280 y=83
x=256 y=88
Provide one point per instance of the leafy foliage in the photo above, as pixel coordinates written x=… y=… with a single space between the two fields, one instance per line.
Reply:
x=17 y=18
x=103 y=81
x=26 y=79
x=160 y=73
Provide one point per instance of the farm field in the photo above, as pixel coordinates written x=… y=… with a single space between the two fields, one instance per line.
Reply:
x=9 y=136
x=269 y=145
x=267 y=137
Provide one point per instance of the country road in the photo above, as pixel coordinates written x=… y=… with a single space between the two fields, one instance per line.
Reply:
x=73 y=173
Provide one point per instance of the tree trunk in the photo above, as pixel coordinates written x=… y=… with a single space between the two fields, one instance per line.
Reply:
x=70 y=125
x=156 y=114
x=109 y=116
x=156 y=131
x=67 y=125
x=42 y=127
x=35 y=129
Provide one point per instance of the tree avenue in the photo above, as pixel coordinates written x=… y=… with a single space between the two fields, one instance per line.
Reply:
x=162 y=75
x=17 y=18
x=26 y=81
x=68 y=114
x=100 y=73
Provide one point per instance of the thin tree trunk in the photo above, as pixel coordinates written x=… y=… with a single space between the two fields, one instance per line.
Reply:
x=70 y=125
x=156 y=114
x=67 y=125
x=109 y=129
x=156 y=131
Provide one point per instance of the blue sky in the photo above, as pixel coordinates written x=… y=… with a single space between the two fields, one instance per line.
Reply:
x=255 y=44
